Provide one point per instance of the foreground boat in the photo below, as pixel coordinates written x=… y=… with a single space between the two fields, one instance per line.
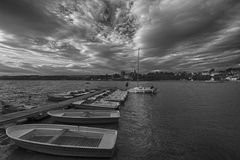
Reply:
x=85 y=116
x=65 y=140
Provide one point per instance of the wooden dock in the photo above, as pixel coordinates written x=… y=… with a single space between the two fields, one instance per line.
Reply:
x=13 y=117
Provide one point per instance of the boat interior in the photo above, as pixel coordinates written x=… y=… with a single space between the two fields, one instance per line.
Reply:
x=64 y=137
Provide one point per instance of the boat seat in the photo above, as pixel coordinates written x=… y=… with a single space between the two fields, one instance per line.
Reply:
x=54 y=138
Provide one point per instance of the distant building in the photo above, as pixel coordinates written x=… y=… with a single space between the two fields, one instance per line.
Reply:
x=127 y=76
x=214 y=73
x=205 y=73
x=123 y=73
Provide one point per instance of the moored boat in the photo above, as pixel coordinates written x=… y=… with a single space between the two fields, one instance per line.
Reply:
x=7 y=107
x=56 y=97
x=141 y=89
x=78 y=103
x=85 y=116
x=65 y=140
x=117 y=96
x=99 y=105
x=99 y=95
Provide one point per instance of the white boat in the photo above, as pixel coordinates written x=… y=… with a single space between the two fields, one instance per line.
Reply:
x=85 y=116
x=78 y=103
x=99 y=105
x=142 y=89
x=212 y=80
x=65 y=140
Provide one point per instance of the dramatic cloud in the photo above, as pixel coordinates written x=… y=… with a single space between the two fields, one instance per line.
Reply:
x=102 y=36
x=177 y=33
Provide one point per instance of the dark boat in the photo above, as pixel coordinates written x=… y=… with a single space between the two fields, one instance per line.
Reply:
x=56 y=97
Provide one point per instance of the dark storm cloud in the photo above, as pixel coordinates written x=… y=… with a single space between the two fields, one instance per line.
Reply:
x=26 y=17
x=172 y=23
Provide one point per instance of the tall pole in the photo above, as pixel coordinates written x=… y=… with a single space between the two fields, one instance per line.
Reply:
x=138 y=68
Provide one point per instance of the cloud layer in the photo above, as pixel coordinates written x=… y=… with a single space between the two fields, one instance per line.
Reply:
x=101 y=36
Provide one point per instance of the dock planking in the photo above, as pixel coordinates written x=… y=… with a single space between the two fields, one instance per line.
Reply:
x=13 y=117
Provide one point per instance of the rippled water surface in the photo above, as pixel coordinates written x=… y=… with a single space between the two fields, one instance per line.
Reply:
x=184 y=121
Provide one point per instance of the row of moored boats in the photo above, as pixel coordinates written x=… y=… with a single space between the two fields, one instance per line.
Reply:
x=74 y=139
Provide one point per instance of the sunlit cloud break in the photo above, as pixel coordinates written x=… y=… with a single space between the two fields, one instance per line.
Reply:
x=58 y=37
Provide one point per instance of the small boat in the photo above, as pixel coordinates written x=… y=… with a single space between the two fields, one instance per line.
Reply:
x=99 y=105
x=59 y=97
x=66 y=95
x=117 y=96
x=98 y=96
x=65 y=140
x=7 y=107
x=141 y=89
x=78 y=103
x=212 y=80
x=85 y=116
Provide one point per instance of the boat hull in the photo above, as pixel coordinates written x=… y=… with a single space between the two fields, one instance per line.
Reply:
x=86 y=120
x=60 y=151
x=77 y=142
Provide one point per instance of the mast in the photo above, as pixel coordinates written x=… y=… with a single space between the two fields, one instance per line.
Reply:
x=138 y=68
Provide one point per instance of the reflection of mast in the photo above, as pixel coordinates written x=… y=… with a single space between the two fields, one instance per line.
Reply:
x=138 y=68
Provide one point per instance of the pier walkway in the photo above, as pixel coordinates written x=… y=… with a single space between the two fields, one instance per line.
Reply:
x=13 y=117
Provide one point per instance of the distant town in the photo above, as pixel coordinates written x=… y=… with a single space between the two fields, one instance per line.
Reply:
x=230 y=74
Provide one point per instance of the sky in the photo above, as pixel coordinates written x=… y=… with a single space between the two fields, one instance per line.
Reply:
x=76 y=37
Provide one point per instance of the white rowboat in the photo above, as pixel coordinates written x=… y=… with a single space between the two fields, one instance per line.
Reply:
x=65 y=140
x=85 y=116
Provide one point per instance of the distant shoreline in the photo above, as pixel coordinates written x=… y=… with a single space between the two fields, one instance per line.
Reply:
x=231 y=74
x=184 y=80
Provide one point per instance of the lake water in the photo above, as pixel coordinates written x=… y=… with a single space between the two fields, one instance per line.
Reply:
x=184 y=121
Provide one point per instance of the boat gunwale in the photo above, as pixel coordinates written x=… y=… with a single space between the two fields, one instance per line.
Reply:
x=113 y=114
